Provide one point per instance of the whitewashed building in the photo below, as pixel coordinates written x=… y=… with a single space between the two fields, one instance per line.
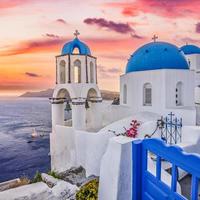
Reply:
x=158 y=79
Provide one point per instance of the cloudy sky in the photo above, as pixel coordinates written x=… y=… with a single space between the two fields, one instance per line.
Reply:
x=33 y=32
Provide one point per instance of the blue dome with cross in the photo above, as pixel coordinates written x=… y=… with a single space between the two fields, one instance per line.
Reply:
x=69 y=47
x=157 y=55
x=190 y=49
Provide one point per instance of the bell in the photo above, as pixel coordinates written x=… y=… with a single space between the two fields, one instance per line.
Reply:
x=87 y=104
x=68 y=107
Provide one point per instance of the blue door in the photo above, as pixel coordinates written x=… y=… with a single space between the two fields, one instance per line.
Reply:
x=147 y=186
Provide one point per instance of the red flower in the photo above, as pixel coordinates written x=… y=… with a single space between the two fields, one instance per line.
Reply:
x=133 y=130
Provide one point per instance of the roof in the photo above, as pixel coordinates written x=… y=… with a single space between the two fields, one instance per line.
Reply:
x=156 y=55
x=69 y=47
x=190 y=49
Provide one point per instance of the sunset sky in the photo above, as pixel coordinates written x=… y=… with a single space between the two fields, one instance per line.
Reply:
x=33 y=32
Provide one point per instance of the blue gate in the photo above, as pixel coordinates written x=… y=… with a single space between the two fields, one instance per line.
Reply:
x=146 y=186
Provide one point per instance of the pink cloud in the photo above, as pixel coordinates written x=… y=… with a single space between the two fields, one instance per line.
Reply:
x=105 y=72
x=164 y=8
x=5 y=4
x=50 y=35
x=53 y=44
x=33 y=46
x=31 y=74
x=109 y=25
x=198 y=27
x=61 y=21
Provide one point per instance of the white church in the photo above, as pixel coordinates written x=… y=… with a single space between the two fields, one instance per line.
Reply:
x=159 y=78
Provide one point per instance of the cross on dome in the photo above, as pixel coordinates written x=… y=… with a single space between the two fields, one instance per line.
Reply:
x=76 y=33
x=154 y=38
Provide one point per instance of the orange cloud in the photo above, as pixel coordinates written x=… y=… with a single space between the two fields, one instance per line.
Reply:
x=34 y=46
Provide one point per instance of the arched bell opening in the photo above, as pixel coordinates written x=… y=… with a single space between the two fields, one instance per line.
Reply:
x=93 y=115
x=64 y=95
x=91 y=95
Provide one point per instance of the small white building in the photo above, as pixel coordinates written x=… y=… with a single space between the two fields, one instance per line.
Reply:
x=192 y=54
x=158 y=79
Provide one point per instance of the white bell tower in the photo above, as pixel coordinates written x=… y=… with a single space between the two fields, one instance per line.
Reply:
x=76 y=89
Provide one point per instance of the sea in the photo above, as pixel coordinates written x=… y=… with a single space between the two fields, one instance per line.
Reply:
x=20 y=154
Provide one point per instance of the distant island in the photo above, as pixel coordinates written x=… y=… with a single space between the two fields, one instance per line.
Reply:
x=106 y=95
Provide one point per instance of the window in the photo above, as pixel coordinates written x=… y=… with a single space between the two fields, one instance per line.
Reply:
x=179 y=94
x=77 y=71
x=147 y=92
x=125 y=94
x=91 y=72
x=62 y=72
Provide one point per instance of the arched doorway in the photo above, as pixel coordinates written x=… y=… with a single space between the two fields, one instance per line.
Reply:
x=62 y=72
x=77 y=71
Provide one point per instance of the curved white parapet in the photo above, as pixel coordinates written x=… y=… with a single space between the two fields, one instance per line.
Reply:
x=71 y=147
x=116 y=171
x=90 y=147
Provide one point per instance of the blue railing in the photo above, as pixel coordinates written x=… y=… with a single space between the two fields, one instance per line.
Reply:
x=147 y=186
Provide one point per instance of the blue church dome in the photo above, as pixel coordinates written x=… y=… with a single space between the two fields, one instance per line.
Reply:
x=156 y=55
x=190 y=49
x=69 y=47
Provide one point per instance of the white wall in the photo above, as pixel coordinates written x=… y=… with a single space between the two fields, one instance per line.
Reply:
x=63 y=152
x=163 y=92
x=172 y=77
x=194 y=61
x=135 y=82
x=112 y=113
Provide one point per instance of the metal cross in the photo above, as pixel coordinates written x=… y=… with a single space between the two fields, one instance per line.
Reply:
x=76 y=33
x=154 y=38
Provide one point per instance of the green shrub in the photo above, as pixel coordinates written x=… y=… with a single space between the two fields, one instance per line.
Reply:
x=89 y=191
x=37 y=177
x=54 y=174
